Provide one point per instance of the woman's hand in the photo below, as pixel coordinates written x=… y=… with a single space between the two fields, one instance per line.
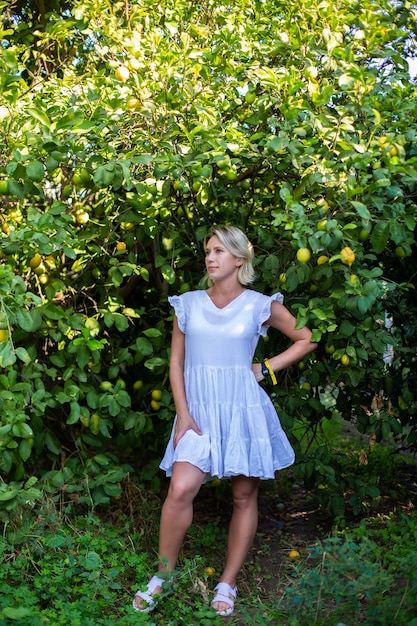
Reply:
x=182 y=425
x=257 y=370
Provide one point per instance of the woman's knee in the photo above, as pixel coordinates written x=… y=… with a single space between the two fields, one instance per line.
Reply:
x=245 y=492
x=185 y=484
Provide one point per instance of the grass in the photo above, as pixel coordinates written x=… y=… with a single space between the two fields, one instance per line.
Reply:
x=63 y=566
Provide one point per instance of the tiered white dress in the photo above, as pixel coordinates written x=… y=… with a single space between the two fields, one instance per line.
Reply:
x=241 y=430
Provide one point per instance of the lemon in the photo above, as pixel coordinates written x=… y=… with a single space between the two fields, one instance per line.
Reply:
x=250 y=97
x=210 y=571
x=322 y=225
x=293 y=554
x=347 y=256
x=155 y=405
x=120 y=246
x=4 y=187
x=322 y=259
x=35 y=261
x=4 y=335
x=138 y=384
x=363 y=234
x=95 y=424
x=133 y=64
x=303 y=255
x=133 y=103
x=156 y=394
x=83 y=217
x=43 y=278
x=122 y=73
x=345 y=360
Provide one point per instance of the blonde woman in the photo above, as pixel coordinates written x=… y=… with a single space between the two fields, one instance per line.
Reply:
x=225 y=423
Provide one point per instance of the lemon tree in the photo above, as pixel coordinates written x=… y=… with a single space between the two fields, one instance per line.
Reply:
x=126 y=132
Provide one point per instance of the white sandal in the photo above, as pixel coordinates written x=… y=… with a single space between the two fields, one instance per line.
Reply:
x=148 y=596
x=224 y=591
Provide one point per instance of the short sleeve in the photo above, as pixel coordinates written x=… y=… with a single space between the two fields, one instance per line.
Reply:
x=178 y=304
x=265 y=312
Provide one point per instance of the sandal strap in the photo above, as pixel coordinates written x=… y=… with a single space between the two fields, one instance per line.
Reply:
x=155 y=582
x=224 y=591
x=147 y=595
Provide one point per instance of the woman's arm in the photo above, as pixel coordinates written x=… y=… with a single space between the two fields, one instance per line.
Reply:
x=176 y=376
x=284 y=321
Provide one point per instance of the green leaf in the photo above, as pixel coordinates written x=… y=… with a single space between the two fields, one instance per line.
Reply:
x=379 y=236
x=39 y=115
x=361 y=209
x=16 y=613
x=144 y=346
x=75 y=413
x=25 y=320
x=5 y=496
x=23 y=355
x=35 y=171
x=83 y=355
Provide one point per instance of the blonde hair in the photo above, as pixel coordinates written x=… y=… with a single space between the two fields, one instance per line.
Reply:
x=235 y=242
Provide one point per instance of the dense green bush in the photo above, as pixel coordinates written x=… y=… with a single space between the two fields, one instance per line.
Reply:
x=126 y=131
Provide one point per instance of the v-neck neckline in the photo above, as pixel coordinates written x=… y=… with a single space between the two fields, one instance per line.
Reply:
x=228 y=304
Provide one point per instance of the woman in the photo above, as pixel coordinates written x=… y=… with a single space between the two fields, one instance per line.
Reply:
x=225 y=424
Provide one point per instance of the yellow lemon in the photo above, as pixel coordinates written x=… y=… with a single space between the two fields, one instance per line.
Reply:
x=82 y=217
x=303 y=255
x=95 y=424
x=133 y=64
x=347 y=256
x=155 y=405
x=156 y=394
x=293 y=554
x=122 y=73
x=133 y=103
x=138 y=384
x=210 y=571
x=345 y=360
x=35 y=261
x=322 y=259
x=322 y=225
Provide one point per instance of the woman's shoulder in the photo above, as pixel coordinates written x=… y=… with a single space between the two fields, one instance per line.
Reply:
x=263 y=298
x=187 y=296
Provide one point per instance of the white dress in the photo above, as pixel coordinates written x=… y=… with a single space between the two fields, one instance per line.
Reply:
x=241 y=429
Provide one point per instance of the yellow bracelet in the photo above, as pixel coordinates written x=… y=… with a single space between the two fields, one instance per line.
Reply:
x=271 y=372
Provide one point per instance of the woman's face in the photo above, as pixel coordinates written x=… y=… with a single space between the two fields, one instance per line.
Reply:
x=220 y=263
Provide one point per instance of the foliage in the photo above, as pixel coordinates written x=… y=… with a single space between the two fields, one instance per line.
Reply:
x=63 y=567
x=363 y=576
x=295 y=123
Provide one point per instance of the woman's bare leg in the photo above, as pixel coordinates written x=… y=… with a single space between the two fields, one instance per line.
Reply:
x=242 y=529
x=176 y=515
x=177 y=512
